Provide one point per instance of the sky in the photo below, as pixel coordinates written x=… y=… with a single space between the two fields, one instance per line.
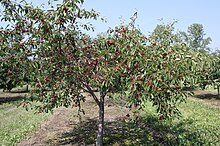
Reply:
x=150 y=12
x=187 y=12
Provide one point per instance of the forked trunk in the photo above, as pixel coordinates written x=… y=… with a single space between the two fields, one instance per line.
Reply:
x=100 y=102
x=99 y=139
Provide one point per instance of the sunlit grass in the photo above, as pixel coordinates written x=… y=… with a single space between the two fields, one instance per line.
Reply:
x=199 y=124
x=16 y=122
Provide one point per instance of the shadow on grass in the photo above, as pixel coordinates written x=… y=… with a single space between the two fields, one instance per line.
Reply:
x=189 y=88
x=19 y=91
x=207 y=96
x=11 y=99
x=13 y=95
x=149 y=131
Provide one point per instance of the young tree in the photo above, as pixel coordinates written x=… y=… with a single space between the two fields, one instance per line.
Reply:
x=123 y=63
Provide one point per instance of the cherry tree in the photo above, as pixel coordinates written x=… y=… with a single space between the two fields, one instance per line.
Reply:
x=121 y=63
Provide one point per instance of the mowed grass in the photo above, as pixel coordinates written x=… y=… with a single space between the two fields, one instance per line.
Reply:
x=199 y=125
x=16 y=122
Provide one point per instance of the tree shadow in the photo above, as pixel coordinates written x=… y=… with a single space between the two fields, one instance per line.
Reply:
x=14 y=95
x=189 y=88
x=23 y=89
x=207 y=96
x=11 y=99
x=19 y=91
x=148 y=131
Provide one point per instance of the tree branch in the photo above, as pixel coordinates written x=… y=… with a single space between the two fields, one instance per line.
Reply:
x=92 y=93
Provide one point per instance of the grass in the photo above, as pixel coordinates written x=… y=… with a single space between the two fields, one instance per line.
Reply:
x=199 y=125
x=210 y=88
x=16 y=122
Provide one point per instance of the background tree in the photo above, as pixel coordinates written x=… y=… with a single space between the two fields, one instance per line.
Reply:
x=205 y=69
x=195 y=38
x=163 y=32
x=11 y=70
x=215 y=74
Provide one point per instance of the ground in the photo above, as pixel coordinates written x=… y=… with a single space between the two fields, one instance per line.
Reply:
x=56 y=129
x=64 y=127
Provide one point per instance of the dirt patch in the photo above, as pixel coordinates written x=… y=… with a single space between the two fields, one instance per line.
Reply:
x=58 y=122
x=64 y=127
x=65 y=119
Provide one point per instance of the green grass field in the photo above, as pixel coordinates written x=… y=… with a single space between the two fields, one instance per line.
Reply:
x=16 y=122
x=199 y=125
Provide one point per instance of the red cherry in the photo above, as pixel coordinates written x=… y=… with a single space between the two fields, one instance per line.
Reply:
x=65 y=9
x=54 y=96
x=110 y=42
x=154 y=43
x=178 y=88
x=123 y=29
x=137 y=104
x=136 y=66
x=139 y=79
x=162 y=118
x=47 y=30
x=46 y=79
x=165 y=54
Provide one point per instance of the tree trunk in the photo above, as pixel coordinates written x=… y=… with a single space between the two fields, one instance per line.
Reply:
x=27 y=88
x=218 y=91
x=99 y=139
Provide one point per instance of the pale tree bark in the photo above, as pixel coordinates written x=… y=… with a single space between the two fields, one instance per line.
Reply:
x=100 y=133
x=100 y=102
